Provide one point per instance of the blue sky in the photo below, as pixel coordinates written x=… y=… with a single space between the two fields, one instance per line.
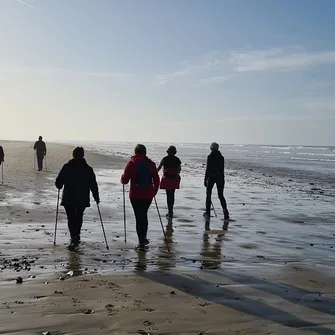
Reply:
x=231 y=71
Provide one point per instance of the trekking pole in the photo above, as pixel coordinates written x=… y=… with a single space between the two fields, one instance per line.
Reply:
x=160 y=218
x=46 y=165
x=124 y=217
x=34 y=161
x=102 y=226
x=56 y=218
x=214 y=209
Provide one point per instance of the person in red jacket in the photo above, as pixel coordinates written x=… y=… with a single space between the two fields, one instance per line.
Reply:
x=171 y=176
x=144 y=184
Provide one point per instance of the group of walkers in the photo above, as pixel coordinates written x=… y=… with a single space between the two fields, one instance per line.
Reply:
x=77 y=179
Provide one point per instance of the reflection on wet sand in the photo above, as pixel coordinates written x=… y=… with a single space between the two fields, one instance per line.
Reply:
x=211 y=254
x=141 y=263
x=166 y=260
x=74 y=263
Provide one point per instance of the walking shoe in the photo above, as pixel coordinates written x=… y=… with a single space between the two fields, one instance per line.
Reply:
x=73 y=246
x=226 y=214
x=145 y=241
x=140 y=247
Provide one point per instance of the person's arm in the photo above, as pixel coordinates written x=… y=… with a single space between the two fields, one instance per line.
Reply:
x=45 y=149
x=35 y=145
x=206 y=173
x=94 y=187
x=155 y=178
x=179 y=167
x=160 y=165
x=126 y=174
x=60 y=180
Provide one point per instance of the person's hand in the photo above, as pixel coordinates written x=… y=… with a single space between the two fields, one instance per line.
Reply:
x=97 y=201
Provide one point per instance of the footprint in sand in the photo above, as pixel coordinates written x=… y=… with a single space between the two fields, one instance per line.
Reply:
x=111 y=309
x=249 y=246
x=316 y=282
x=185 y=220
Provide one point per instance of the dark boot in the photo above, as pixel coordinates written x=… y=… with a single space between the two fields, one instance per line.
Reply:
x=73 y=246
x=226 y=214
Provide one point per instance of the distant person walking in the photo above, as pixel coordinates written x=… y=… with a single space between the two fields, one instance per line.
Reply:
x=215 y=175
x=171 y=165
x=2 y=159
x=78 y=179
x=144 y=184
x=2 y=155
x=41 y=151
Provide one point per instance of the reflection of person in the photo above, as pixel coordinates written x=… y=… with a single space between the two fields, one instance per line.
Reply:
x=211 y=256
x=75 y=264
x=41 y=151
x=78 y=179
x=215 y=175
x=2 y=155
x=171 y=176
x=165 y=260
x=141 y=264
x=144 y=183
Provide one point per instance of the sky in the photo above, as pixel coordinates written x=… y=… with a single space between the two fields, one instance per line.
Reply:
x=231 y=71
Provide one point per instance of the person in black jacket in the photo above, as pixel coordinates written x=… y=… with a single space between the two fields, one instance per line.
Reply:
x=41 y=151
x=215 y=175
x=78 y=179
x=2 y=155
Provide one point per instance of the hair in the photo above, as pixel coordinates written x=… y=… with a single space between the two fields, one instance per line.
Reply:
x=40 y=138
x=171 y=150
x=78 y=153
x=140 y=149
x=214 y=146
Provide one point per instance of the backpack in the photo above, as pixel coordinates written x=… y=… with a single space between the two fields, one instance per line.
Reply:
x=143 y=175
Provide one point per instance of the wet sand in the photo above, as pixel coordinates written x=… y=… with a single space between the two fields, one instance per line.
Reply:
x=269 y=271
x=216 y=302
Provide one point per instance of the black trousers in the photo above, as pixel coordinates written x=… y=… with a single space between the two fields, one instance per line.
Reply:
x=170 y=200
x=40 y=162
x=141 y=207
x=74 y=221
x=220 y=187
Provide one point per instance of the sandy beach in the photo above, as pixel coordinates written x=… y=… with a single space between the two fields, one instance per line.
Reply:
x=266 y=272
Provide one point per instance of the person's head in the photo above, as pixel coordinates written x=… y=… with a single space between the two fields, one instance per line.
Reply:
x=40 y=138
x=171 y=151
x=214 y=146
x=140 y=149
x=78 y=153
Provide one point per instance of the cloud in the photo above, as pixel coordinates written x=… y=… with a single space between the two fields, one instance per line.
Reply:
x=279 y=59
x=219 y=67
x=205 y=64
x=217 y=79
x=26 y=4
